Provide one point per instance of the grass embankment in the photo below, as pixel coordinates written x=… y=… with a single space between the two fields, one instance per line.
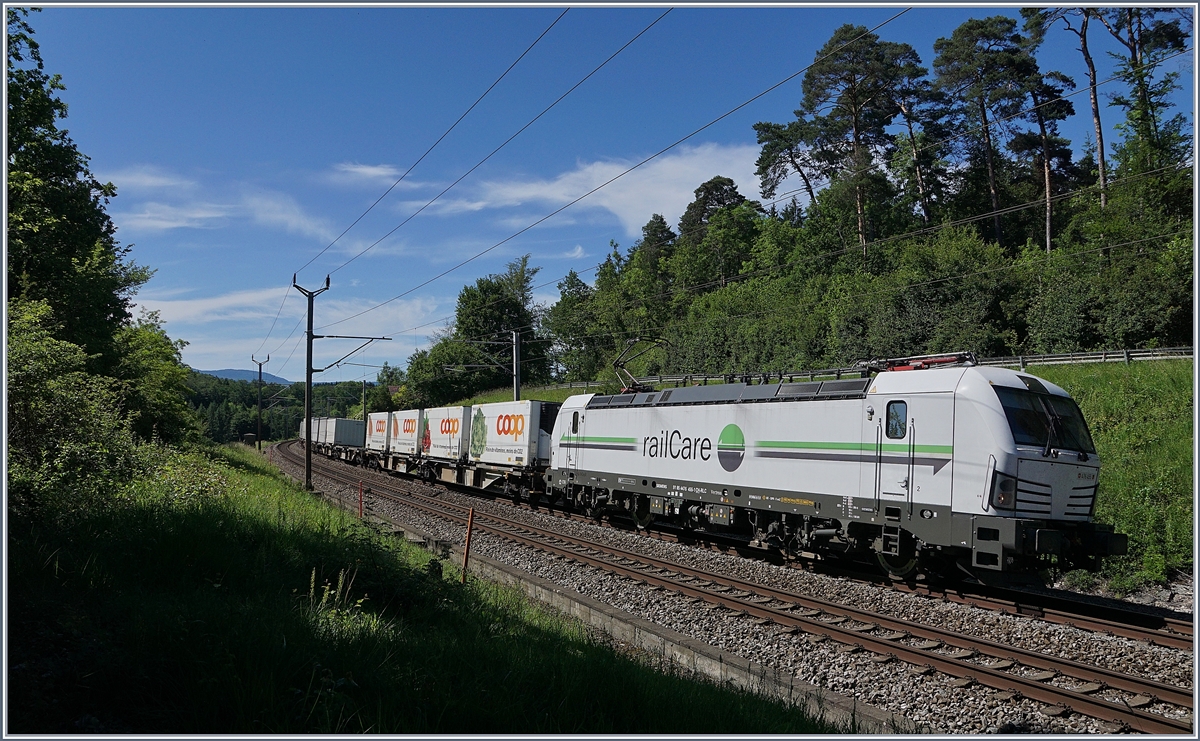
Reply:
x=214 y=596
x=1140 y=416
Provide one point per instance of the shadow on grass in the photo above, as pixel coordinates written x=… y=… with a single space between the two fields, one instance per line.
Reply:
x=269 y=613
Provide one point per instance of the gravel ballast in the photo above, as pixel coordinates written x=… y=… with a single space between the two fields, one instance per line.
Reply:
x=933 y=701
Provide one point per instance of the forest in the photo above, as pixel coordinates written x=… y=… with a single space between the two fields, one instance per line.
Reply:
x=907 y=206
x=905 y=209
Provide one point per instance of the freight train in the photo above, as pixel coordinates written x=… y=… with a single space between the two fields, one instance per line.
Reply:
x=929 y=464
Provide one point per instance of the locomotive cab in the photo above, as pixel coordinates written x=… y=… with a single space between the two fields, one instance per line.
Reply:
x=1028 y=474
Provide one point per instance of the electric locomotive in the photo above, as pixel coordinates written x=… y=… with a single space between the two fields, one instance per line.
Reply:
x=927 y=464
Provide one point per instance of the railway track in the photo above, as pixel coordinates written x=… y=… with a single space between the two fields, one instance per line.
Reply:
x=1108 y=617
x=1087 y=689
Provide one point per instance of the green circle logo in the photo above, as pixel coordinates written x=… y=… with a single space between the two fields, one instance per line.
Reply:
x=731 y=447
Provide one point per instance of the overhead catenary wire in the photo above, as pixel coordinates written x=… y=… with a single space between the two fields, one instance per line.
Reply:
x=613 y=179
x=971 y=131
x=927 y=229
x=502 y=145
x=430 y=149
x=287 y=290
x=835 y=253
x=927 y=146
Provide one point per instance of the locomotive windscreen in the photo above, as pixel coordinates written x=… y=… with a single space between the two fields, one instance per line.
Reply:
x=1036 y=418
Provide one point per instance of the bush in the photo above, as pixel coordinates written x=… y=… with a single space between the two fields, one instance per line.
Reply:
x=69 y=445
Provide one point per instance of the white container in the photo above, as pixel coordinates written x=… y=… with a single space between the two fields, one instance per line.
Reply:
x=406 y=432
x=449 y=432
x=316 y=429
x=507 y=433
x=346 y=432
x=378 y=431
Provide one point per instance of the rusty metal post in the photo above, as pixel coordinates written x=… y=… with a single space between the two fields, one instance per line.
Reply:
x=360 y=500
x=467 y=547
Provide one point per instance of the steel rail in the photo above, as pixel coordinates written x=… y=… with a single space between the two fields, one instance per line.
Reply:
x=991 y=676
x=1162 y=631
x=1034 y=659
x=1176 y=633
x=1032 y=688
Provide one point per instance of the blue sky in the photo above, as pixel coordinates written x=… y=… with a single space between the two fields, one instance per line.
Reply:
x=243 y=141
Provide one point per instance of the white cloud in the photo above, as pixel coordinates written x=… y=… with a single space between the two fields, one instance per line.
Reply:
x=574 y=254
x=368 y=172
x=155 y=216
x=238 y=305
x=664 y=185
x=271 y=208
x=147 y=177
x=223 y=331
x=354 y=173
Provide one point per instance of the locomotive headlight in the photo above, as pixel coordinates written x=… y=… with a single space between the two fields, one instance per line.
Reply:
x=1004 y=491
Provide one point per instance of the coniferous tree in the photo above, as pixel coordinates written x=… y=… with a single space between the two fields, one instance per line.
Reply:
x=849 y=93
x=984 y=65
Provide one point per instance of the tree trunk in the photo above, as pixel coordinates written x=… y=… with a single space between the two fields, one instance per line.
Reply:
x=812 y=197
x=912 y=141
x=987 y=146
x=859 y=208
x=1045 y=162
x=1087 y=58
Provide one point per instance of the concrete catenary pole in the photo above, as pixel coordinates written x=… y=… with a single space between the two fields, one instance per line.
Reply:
x=258 y=435
x=308 y=374
x=516 y=340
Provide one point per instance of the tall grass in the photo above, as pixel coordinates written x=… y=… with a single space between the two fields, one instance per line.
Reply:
x=213 y=596
x=1141 y=418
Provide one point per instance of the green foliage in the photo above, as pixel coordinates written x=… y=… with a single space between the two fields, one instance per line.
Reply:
x=217 y=598
x=61 y=244
x=68 y=443
x=84 y=379
x=155 y=380
x=477 y=353
x=1140 y=416
x=908 y=260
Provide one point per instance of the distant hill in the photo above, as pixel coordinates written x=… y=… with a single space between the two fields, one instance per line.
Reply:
x=243 y=375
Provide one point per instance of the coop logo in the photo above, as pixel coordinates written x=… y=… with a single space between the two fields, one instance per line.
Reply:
x=510 y=424
x=731 y=447
x=380 y=426
x=449 y=426
x=410 y=426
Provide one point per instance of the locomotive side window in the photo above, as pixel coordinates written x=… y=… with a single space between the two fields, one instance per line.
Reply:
x=897 y=419
x=575 y=423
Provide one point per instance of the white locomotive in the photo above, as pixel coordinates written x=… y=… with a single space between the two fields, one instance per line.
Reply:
x=928 y=463
x=984 y=468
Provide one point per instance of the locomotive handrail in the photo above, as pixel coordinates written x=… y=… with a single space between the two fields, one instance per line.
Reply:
x=1021 y=361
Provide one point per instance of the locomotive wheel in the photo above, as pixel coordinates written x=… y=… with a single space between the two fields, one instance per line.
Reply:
x=900 y=568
